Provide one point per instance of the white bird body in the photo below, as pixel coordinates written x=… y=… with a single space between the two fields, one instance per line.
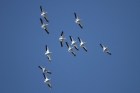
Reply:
x=82 y=43
x=47 y=53
x=70 y=49
x=73 y=43
x=46 y=80
x=61 y=38
x=44 y=26
x=43 y=14
x=77 y=20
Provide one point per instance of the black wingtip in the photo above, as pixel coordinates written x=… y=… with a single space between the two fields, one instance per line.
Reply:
x=46 y=19
x=48 y=32
x=50 y=72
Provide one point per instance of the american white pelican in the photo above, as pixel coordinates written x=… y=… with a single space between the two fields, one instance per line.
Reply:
x=47 y=80
x=44 y=70
x=47 y=53
x=73 y=42
x=77 y=20
x=82 y=44
x=43 y=14
x=70 y=49
x=44 y=26
x=61 y=38
x=105 y=49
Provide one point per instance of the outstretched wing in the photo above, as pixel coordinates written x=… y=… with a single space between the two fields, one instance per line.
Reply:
x=101 y=45
x=61 y=43
x=49 y=85
x=75 y=16
x=71 y=38
x=108 y=52
x=73 y=53
x=85 y=48
x=46 y=30
x=40 y=67
x=62 y=33
x=49 y=58
x=80 y=25
x=76 y=48
x=79 y=39
x=49 y=72
x=41 y=21
x=46 y=47
x=44 y=75
x=46 y=18
x=67 y=44
x=41 y=9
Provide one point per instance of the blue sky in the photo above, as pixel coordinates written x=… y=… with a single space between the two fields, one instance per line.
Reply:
x=113 y=23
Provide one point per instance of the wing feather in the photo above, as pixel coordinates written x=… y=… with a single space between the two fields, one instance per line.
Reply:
x=73 y=53
x=46 y=30
x=76 y=48
x=46 y=19
x=101 y=45
x=44 y=75
x=67 y=44
x=40 y=67
x=41 y=9
x=61 y=43
x=79 y=39
x=75 y=15
x=41 y=21
x=71 y=38
x=62 y=33
x=85 y=48
x=80 y=25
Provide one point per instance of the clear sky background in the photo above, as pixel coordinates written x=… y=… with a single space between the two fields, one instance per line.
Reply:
x=113 y=23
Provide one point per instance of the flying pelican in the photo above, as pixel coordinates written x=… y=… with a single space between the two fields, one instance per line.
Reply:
x=43 y=14
x=47 y=53
x=44 y=26
x=44 y=70
x=70 y=49
x=82 y=44
x=47 y=80
x=77 y=20
x=61 y=38
x=105 y=49
x=73 y=42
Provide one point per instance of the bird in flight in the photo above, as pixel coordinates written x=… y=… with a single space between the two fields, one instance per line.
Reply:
x=70 y=49
x=44 y=70
x=77 y=20
x=43 y=14
x=61 y=38
x=47 y=80
x=73 y=42
x=82 y=44
x=47 y=53
x=105 y=49
x=44 y=26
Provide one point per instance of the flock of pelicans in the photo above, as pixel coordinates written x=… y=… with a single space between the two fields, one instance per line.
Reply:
x=61 y=39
